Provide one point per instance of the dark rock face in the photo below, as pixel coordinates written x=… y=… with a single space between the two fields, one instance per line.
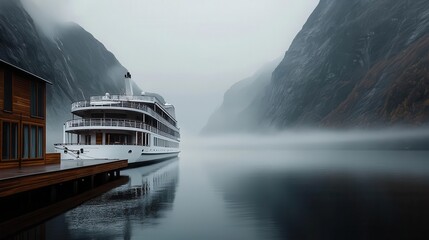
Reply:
x=77 y=64
x=354 y=64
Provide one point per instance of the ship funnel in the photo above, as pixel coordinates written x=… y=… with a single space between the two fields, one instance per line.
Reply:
x=128 y=85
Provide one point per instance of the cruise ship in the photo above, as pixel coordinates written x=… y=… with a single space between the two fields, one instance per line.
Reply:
x=138 y=128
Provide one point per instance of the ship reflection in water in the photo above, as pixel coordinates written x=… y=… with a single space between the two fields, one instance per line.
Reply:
x=145 y=198
x=253 y=194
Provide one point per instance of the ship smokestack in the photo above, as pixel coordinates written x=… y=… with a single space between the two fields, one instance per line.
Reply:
x=128 y=85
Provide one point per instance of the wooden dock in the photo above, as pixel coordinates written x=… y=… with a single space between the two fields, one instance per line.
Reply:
x=26 y=190
x=29 y=224
x=17 y=180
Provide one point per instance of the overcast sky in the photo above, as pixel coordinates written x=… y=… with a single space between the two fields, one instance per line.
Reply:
x=189 y=51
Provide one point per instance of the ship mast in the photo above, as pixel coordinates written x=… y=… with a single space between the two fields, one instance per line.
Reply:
x=128 y=85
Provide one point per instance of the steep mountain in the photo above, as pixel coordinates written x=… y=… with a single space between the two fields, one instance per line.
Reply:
x=354 y=64
x=228 y=117
x=75 y=62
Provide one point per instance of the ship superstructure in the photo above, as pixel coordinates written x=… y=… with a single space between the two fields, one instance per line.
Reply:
x=137 y=128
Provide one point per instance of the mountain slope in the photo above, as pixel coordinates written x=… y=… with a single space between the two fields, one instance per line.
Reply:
x=228 y=117
x=355 y=63
x=75 y=62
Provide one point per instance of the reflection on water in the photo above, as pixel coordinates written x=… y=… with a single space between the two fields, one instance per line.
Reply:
x=262 y=194
x=149 y=193
x=333 y=195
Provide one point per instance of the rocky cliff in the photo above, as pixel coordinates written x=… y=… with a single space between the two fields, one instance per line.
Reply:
x=75 y=62
x=354 y=64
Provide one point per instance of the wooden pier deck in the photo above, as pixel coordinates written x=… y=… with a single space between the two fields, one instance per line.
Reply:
x=34 y=193
x=39 y=192
x=16 y=180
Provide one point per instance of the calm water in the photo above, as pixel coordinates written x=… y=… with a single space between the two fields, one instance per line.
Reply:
x=270 y=194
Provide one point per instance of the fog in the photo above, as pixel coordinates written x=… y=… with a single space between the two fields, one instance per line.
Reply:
x=48 y=14
x=189 y=51
x=311 y=139
x=192 y=51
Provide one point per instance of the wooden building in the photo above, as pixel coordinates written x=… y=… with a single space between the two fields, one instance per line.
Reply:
x=22 y=118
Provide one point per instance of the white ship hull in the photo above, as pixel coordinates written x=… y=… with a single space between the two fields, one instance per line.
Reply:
x=133 y=153
x=137 y=128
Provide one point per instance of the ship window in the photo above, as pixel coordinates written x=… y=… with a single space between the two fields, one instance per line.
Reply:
x=139 y=139
x=115 y=115
x=165 y=143
x=96 y=115
x=118 y=139
x=8 y=90
x=37 y=107
x=145 y=139
x=10 y=141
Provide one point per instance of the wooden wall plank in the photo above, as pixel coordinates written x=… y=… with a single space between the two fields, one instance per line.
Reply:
x=52 y=158
x=21 y=100
x=5 y=164
x=1 y=88
x=21 y=96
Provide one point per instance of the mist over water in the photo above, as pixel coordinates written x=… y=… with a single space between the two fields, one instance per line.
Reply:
x=294 y=185
x=394 y=138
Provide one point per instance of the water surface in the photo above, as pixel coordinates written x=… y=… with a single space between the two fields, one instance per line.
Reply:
x=261 y=194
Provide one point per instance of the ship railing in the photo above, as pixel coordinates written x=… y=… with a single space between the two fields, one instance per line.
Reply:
x=111 y=122
x=126 y=98
x=83 y=143
x=139 y=106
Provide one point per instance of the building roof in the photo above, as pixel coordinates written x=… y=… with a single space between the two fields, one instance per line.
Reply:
x=24 y=71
